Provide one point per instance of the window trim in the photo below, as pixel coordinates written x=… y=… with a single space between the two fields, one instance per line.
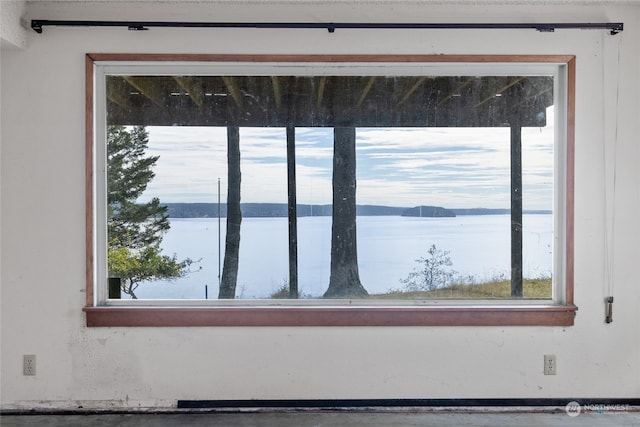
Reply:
x=442 y=314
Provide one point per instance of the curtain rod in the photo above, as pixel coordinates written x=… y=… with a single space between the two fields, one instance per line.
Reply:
x=614 y=27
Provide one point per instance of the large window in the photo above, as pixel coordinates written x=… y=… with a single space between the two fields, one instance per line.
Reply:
x=316 y=190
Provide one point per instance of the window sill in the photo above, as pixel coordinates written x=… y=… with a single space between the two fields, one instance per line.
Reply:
x=519 y=315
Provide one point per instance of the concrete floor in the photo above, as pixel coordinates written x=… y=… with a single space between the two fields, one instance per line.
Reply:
x=330 y=418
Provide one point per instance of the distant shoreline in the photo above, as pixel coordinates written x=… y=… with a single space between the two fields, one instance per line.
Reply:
x=280 y=210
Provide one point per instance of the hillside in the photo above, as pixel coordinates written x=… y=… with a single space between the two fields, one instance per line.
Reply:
x=275 y=210
x=269 y=210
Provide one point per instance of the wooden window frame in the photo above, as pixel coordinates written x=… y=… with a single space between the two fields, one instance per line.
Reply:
x=441 y=314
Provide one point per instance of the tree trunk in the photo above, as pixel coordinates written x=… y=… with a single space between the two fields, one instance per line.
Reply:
x=234 y=217
x=516 y=210
x=292 y=212
x=344 y=281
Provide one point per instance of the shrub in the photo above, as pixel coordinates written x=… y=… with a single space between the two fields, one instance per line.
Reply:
x=433 y=271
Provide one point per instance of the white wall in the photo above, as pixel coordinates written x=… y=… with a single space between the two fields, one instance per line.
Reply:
x=42 y=226
x=12 y=33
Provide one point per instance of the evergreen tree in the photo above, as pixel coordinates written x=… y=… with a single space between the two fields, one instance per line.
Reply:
x=135 y=230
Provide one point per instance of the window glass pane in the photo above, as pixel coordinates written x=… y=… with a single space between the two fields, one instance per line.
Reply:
x=314 y=159
x=404 y=186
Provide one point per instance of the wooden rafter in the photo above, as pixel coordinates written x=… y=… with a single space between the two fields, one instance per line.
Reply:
x=191 y=86
x=148 y=87
x=277 y=91
x=456 y=91
x=500 y=90
x=533 y=96
x=234 y=91
x=321 y=86
x=366 y=90
x=119 y=92
x=412 y=89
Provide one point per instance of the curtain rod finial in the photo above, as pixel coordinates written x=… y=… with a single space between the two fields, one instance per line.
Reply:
x=36 y=25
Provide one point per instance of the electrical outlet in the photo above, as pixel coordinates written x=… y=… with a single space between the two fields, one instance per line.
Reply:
x=549 y=364
x=29 y=364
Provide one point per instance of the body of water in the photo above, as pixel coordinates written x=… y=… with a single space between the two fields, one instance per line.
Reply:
x=479 y=247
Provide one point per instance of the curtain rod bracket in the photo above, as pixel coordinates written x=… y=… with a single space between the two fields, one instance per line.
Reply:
x=546 y=29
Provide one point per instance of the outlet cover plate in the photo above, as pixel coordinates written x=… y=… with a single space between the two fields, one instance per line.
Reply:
x=29 y=364
x=550 y=364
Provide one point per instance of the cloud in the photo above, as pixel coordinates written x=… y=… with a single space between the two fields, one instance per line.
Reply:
x=452 y=167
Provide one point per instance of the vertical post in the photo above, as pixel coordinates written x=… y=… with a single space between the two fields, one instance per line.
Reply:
x=219 y=238
x=292 y=211
x=516 y=210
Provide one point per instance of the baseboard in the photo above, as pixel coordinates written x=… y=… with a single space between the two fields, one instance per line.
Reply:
x=394 y=403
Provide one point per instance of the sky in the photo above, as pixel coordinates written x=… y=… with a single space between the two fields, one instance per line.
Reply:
x=449 y=167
